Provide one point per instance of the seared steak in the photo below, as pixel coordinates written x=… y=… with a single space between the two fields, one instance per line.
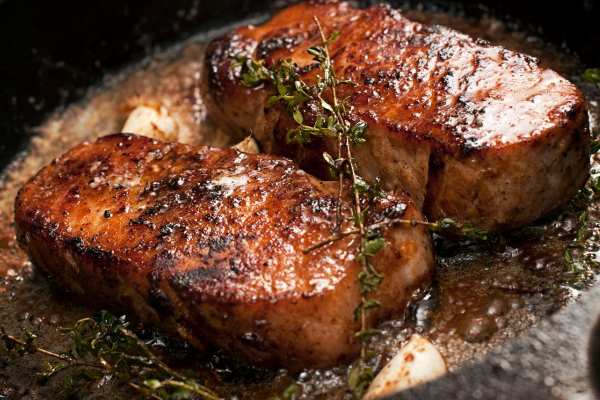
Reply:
x=209 y=243
x=471 y=130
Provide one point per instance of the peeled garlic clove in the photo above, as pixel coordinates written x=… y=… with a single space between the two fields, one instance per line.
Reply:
x=248 y=145
x=153 y=122
x=416 y=363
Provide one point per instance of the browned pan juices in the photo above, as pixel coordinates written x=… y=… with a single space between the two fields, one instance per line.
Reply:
x=483 y=295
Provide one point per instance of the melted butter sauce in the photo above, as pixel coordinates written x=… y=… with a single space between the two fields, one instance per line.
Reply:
x=482 y=296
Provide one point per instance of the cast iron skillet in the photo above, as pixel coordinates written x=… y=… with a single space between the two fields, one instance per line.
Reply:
x=52 y=51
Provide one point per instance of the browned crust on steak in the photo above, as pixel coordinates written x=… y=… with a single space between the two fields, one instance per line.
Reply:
x=439 y=100
x=208 y=242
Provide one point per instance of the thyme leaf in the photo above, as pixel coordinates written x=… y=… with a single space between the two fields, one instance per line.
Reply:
x=450 y=227
x=592 y=75
x=373 y=246
x=360 y=377
x=290 y=393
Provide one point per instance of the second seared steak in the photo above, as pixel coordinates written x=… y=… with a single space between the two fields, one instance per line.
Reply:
x=472 y=131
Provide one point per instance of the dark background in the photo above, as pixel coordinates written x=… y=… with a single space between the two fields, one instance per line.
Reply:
x=52 y=50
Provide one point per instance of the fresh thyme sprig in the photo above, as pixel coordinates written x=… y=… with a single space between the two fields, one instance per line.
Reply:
x=579 y=263
x=592 y=75
x=445 y=226
x=579 y=255
x=107 y=346
x=332 y=121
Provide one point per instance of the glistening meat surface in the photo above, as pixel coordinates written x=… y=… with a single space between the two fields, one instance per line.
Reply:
x=209 y=243
x=470 y=130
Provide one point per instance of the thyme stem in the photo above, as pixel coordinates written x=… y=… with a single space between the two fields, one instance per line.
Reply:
x=164 y=367
x=340 y=235
x=35 y=349
x=340 y=173
x=143 y=390
x=331 y=121
x=361 y=228
x=192 y=388
x=357 y=208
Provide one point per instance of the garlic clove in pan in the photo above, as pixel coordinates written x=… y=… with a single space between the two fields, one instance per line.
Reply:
x=417 y=362
x=153 y=122
x=248 y=145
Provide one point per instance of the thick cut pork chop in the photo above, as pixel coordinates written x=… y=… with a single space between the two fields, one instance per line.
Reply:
x=472 y=131
x=209 y=243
